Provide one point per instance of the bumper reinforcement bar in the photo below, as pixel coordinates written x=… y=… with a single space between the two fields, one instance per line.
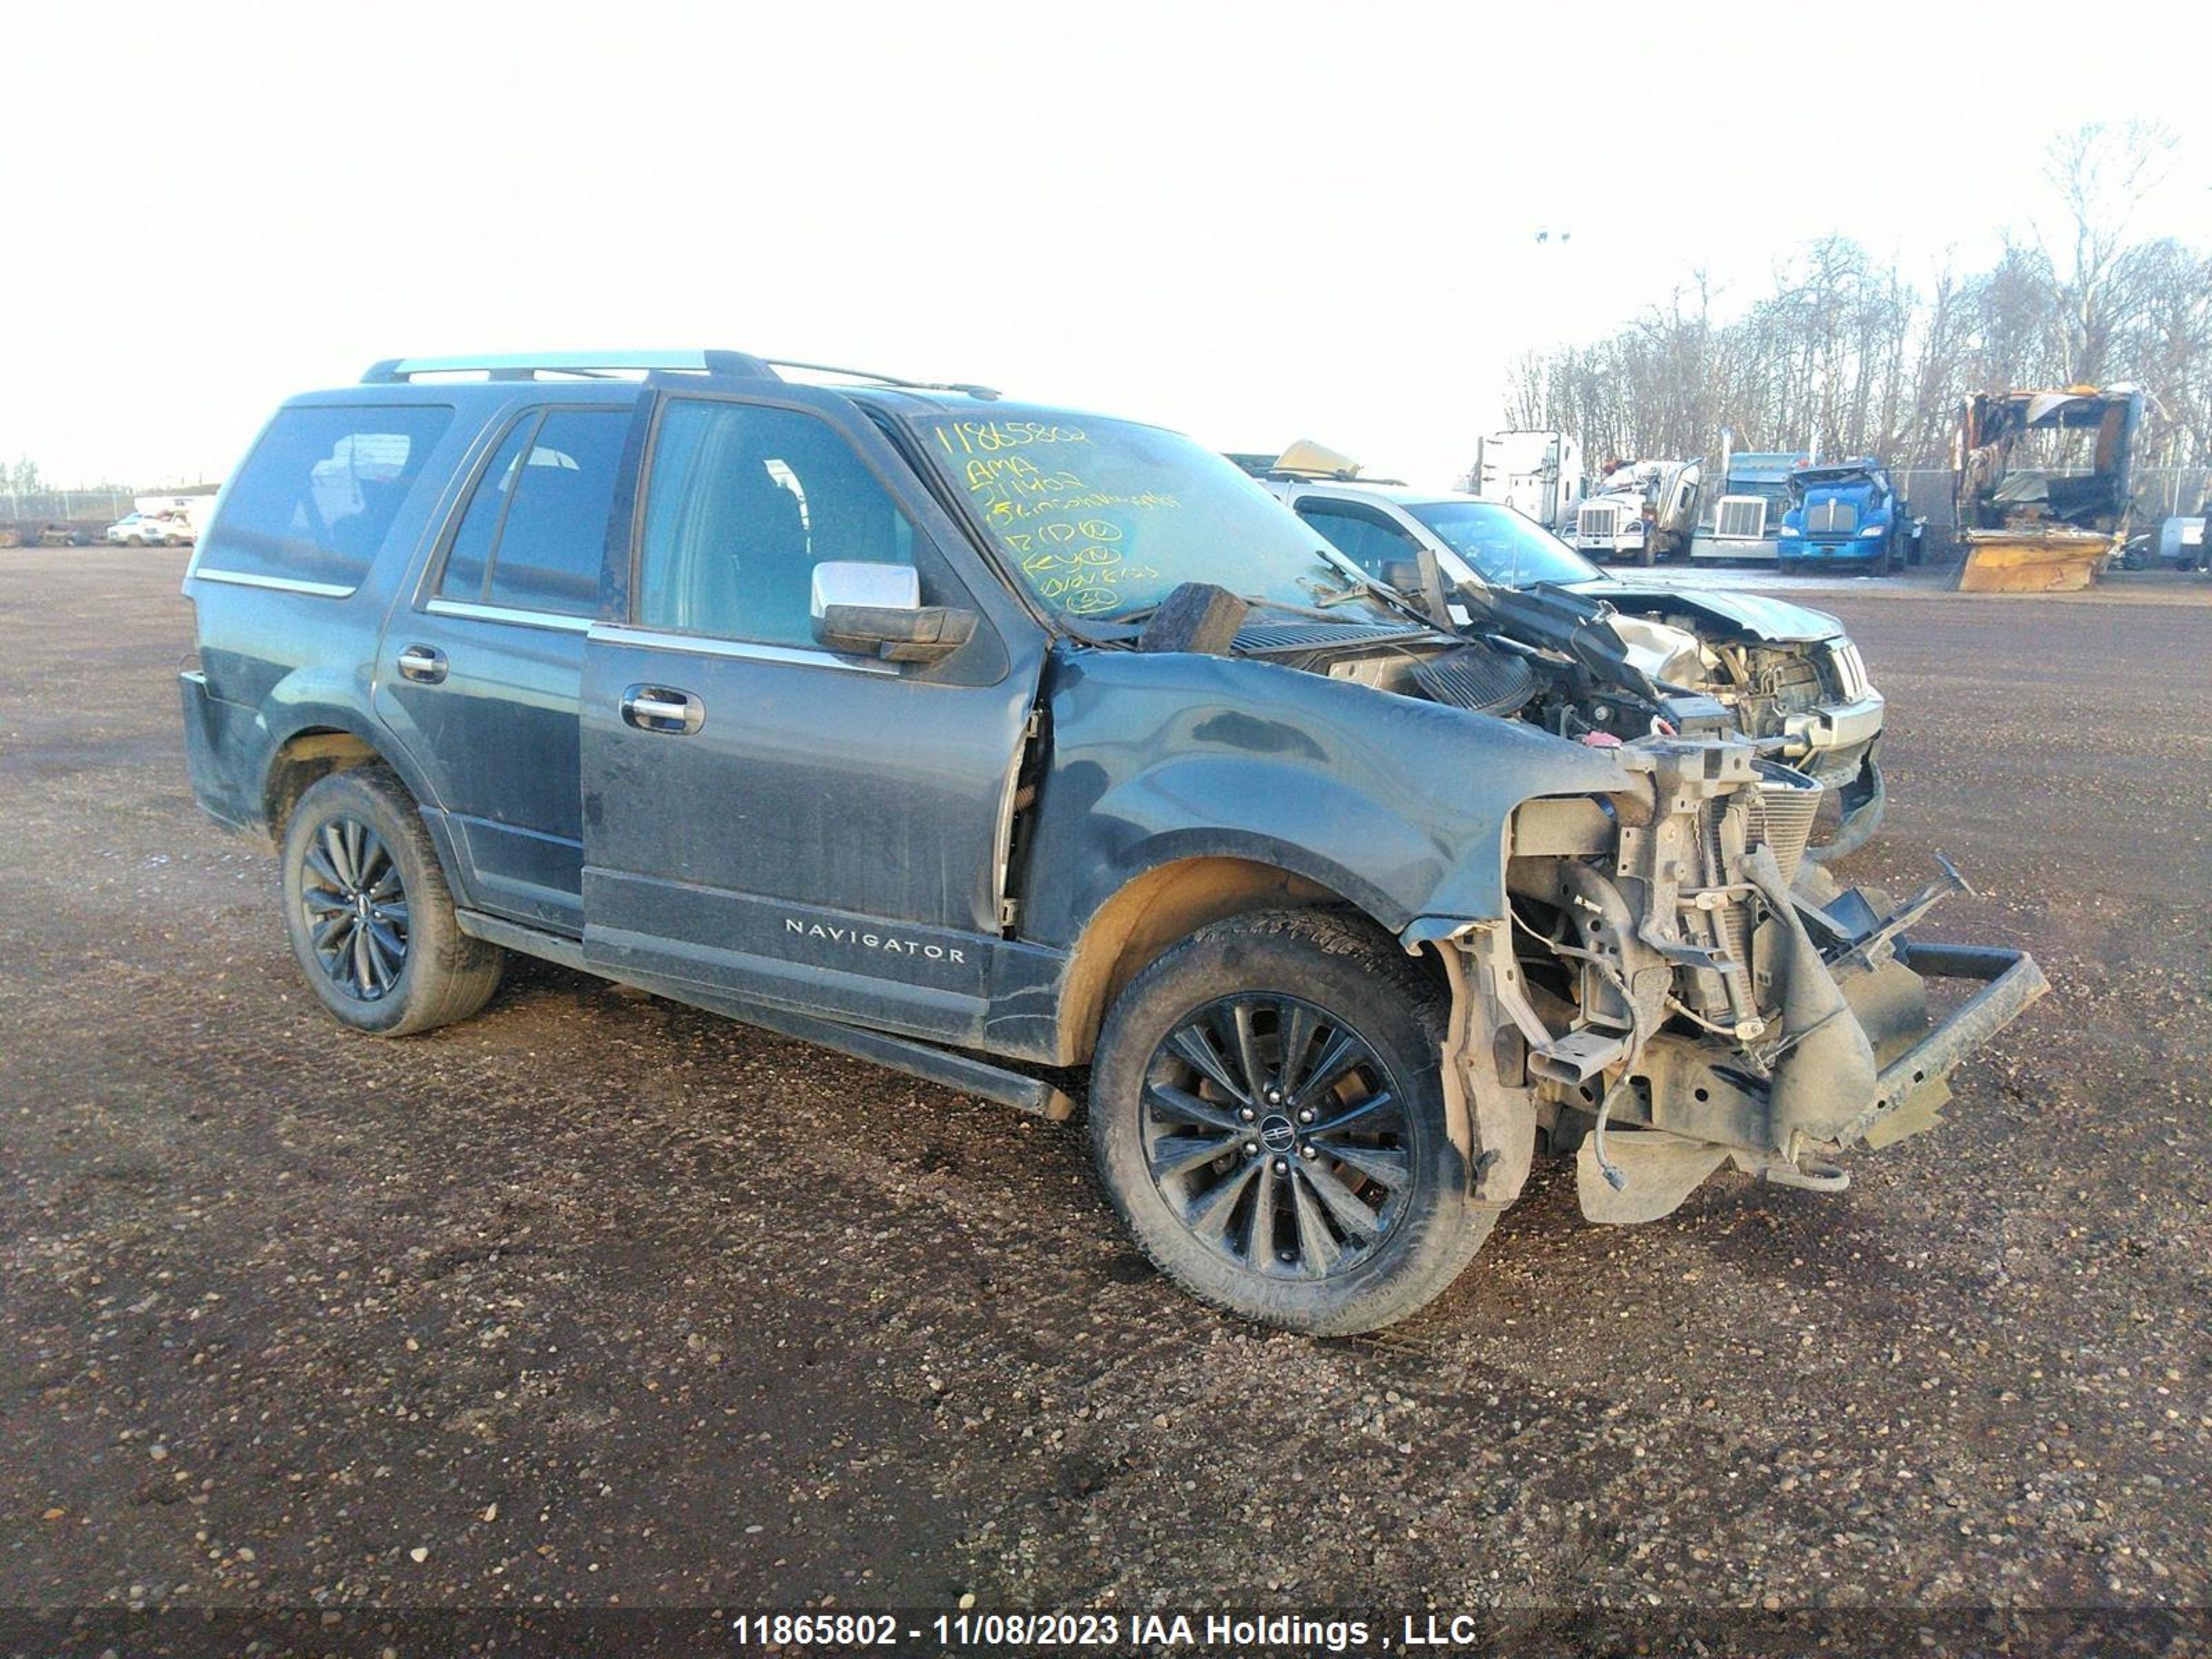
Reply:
x=2013 y=981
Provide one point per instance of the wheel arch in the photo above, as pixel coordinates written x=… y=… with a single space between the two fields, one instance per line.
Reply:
x=1166 y=903
x=323 y=742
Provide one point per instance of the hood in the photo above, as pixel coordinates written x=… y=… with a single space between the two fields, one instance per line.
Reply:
x=1861 y=489
x=1842 y=476
x=1772 y=622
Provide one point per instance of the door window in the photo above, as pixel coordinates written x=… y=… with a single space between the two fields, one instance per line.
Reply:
x=534 y=535
x=742 y=504
x=1368 y=539
x=468 y=562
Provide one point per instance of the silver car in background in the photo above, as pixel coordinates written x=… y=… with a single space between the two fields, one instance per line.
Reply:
x=1789 y=676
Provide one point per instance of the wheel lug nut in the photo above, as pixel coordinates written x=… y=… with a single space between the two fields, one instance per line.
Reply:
x=1308 y=1152
x=1251 y=1149
x=1274 y=1097
x=1307 y=1115
x=1247 y=1114
x=1282 y=1166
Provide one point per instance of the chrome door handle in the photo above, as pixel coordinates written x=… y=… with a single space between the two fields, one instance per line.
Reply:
x=662 y=708
x=423 y=664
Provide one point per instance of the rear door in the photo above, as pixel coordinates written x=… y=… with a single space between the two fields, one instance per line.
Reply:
x=481 y=672
x=763 y=816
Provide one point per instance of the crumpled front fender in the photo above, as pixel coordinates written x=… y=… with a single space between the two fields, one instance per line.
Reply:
x=1400 y=805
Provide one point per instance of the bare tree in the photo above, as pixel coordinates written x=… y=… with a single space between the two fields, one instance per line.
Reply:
x=2100 y=174
x=1844 y=352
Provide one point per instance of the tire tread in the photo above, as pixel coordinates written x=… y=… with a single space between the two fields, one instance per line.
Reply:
x=454 y=974
x=1465 y=1224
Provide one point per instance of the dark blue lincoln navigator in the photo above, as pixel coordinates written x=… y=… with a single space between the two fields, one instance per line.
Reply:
x=979 y=738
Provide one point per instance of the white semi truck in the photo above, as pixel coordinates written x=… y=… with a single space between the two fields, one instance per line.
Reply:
x=1641 y=511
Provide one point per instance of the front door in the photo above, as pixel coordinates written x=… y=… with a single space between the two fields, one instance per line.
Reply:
x=764 y=816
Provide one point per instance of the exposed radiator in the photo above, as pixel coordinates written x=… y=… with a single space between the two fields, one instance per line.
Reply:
x=1781 y=814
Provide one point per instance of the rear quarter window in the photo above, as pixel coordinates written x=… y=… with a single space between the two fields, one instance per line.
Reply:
x=318 y=495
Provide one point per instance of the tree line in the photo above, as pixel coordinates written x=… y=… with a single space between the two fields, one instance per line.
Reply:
x=1846 y=352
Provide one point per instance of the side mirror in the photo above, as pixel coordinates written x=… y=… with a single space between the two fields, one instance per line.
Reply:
x=876 y=610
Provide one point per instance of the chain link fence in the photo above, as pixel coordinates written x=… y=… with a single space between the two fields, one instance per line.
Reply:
x=105 y=503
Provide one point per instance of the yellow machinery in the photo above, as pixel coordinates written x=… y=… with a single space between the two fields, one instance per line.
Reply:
x=2040 y=484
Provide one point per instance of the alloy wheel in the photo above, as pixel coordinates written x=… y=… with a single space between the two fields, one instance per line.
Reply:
x=1277 y=1136
x=355 y=905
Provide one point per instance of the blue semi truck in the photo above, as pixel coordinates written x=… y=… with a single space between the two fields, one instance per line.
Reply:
x=1846 y=514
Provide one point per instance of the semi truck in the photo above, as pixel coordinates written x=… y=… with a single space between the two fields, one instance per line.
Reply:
x=1846 y=514
x=1642 y=511
x=1754 y=494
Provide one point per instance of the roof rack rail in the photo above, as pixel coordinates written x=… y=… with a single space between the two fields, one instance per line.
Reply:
x=967 y=386
x=530 y=364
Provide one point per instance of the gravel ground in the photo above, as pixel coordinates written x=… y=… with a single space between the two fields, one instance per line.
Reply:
x=595 y=1299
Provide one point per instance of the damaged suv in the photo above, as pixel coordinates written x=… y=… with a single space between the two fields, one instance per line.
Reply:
x=988 y=741
x=1789 y=676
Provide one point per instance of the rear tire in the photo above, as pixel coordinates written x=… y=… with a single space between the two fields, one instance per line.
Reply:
x=1268 y=1119
x=370 y=917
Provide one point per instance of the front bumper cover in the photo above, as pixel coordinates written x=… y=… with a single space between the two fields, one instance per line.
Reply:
x=1859 y=550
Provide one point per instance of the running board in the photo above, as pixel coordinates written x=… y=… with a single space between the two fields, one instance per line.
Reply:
x=962 y=1072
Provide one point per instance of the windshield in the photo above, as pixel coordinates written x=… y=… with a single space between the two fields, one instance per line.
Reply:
x=1506 y=548
x=1103 y=520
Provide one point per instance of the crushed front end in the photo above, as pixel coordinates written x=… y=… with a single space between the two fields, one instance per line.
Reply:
x=1674 y=989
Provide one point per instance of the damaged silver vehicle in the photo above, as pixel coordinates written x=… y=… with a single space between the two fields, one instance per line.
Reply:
x=1790 y=677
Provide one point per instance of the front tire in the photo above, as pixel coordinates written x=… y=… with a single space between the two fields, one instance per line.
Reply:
x=370 y=917
x=1267 y=1118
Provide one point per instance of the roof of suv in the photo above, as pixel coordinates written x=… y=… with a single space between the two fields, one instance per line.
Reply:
x=613 y=373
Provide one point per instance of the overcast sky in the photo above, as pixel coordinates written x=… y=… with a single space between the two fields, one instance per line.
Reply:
x=1251 y=222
